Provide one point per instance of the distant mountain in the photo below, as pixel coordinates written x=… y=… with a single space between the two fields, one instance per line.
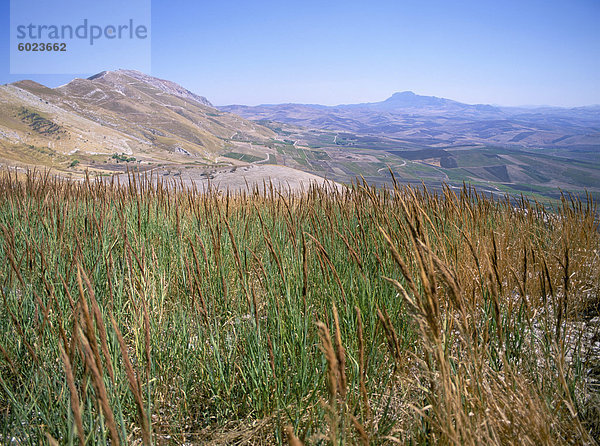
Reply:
x=407 y=100
x=112 y=112
x=431 y=120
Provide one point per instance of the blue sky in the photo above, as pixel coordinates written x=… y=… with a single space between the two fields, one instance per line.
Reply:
x=331 y=52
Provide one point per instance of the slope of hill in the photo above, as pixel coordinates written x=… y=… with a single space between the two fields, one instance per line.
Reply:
x=115 y=113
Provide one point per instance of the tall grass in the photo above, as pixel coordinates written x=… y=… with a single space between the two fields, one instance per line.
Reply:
x=146 y=313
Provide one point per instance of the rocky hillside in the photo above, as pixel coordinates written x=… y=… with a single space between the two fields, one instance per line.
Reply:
x=122 y=113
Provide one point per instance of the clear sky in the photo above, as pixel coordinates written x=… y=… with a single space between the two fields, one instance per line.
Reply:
x=330 y=52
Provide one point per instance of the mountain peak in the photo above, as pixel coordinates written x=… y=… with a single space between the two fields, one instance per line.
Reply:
x=163 y=85
x=403 y=94
x=410 y=99
x=98 y=75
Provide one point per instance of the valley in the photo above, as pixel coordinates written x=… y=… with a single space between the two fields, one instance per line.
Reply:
x=435 y=141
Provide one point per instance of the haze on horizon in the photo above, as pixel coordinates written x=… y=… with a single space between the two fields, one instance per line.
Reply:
x=508 y=53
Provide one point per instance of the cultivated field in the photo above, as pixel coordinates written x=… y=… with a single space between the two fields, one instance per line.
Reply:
x=147 y=313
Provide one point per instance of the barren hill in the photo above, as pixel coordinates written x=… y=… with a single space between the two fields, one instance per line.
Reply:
x=123 y=113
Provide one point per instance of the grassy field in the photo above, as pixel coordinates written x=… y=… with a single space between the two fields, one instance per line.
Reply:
x=143 y=313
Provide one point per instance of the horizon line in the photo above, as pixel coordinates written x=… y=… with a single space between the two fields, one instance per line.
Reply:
x=528 y=106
